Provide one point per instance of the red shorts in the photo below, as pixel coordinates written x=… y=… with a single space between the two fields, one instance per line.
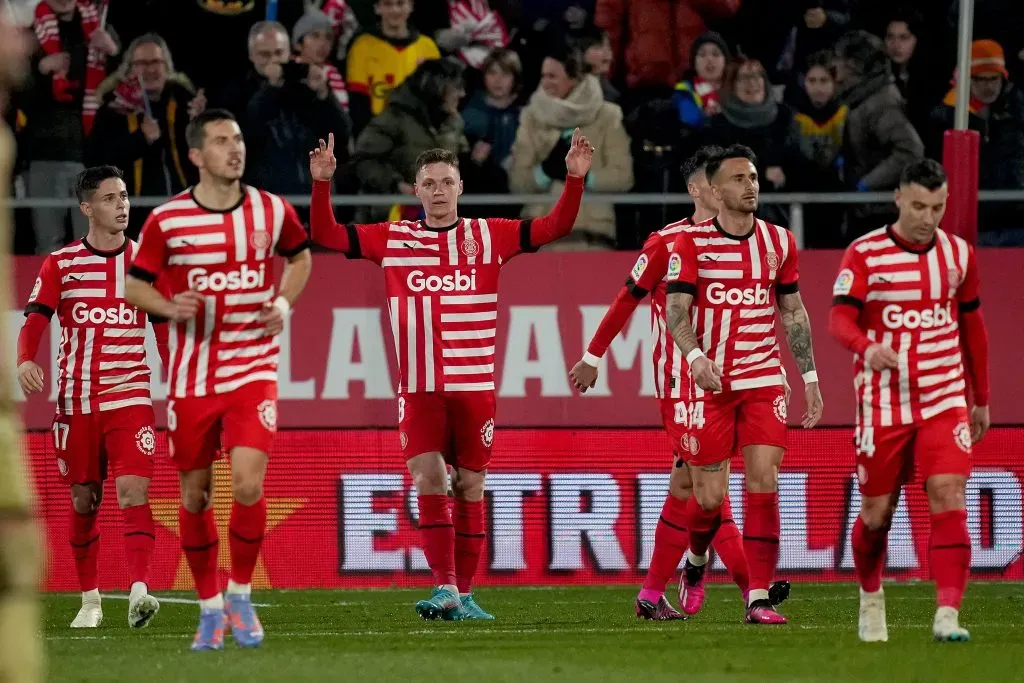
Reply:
x=888 y=456
x=459 y=424
x=86 y=444
x=675 y=426
x=715 y=427
x=202 y=428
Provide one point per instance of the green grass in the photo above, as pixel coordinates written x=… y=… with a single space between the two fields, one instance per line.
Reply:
x=572 y=634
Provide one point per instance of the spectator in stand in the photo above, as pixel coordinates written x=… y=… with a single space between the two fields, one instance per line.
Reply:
x=568 y=99
x=920 y=84
x=817 y=29
x=879 y=140
x=61 y=110
x=697 y=97
x=752 y=116
x=491 y=120
x=293 y=109
x=268 y=46
x=313 y=41
x=344 y=22
x=141 y=126
x=596 y=48
x=379 y=61
x=474 y=31
x=421 y=114
x=997 y=113
x=820 y=119
x=652 y=39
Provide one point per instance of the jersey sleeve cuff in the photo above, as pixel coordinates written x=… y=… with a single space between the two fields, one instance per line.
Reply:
x=635 y=290
x=970 y=306
x=525 y=243
x=679 y=287
x=140 y=273
x=845 y=300
x=787 y=287
x=591 y=360
x=41 y=309
x=294 y=251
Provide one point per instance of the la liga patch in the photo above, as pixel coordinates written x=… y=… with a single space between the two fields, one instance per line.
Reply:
x=639 y=267
x=844 y=283
x=675 y=266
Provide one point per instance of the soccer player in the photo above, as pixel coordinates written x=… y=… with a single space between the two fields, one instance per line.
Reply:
x=104 y=411
x=670 y=536
x=441 y=278
x=213 y=248
x=725 y=277
x=20 y=644
x=906 y=304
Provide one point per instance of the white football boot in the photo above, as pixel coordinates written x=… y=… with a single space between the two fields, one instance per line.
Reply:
x=871 y=625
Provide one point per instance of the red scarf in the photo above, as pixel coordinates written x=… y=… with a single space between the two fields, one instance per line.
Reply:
x=483 y=25
x=48 y=32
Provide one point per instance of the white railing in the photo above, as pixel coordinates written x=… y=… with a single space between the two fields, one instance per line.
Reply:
x=795 y=200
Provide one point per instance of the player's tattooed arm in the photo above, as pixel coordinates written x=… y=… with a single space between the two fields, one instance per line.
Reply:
x=679 y=322
x=798 y=330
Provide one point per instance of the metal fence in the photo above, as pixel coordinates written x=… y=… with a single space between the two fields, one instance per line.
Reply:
x=796 y=201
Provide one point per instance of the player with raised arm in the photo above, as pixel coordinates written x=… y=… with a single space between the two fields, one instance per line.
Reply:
x=441 y=277
x=725 y=278
x=213 y=248
x=906 y=304
x=671 y=536
x=104 y=410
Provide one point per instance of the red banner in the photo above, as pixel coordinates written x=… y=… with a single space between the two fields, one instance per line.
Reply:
x=337 y=360
x=565 y=506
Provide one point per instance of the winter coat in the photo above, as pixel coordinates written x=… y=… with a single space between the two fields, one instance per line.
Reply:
x=544 y=122
x=651 y=39
x=490 y=124
x=387 y=149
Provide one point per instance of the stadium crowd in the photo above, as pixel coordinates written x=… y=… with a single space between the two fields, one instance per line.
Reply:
x=832 y=95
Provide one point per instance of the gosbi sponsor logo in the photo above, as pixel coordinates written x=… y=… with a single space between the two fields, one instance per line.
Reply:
x=202 y=280
x=895 y=318
x=455 y=282
x=122 y=314
x=719 y=294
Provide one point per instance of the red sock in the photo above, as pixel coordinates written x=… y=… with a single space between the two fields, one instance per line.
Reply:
x=728 y=544
x=470 y=521
x=438 y=537
x=949 y=555
x=703 y=525
x=139 y=539
x=761 y=538
x=869 y=554
x=85 y=548
x=200 y=543
x=245 y=535
x=671 y=537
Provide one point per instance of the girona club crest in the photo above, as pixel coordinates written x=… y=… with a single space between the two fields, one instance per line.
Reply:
x=267 y=412
x=962 y=436
x=470 y=247
x=772 y=259
x=487 y=433
x=403 y=439
x=260 y=240
x=62 y=465
x=145 y=439
x=779 y=408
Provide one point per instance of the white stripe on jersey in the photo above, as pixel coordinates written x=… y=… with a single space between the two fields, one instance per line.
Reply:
x=485 y=237
x=204 y=259
x=197 y=240
x=410 y=261
x=203 y=220
x=83 y=293
x=428 y=344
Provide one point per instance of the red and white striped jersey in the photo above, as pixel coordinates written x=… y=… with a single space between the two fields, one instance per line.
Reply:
x=648 y=276
x=101 y=360
x=227 y=257
x=910 y=299
x=734 y=281
x=442 y=290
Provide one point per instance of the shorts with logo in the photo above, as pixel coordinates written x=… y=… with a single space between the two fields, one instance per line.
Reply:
x=717 y=425
x=122 y=440
x=201 y=429
x=459 y=424
x=888 y=456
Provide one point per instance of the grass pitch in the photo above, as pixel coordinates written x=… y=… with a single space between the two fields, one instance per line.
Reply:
x=566 y=634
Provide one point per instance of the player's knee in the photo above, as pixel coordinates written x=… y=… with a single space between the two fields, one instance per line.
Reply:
x=247 y=490
x=132 y=493
x=763 y=479
x=86 y=499
x=710 y=497
x=877 y=514
x=946 y=494
x=195 y=500
x=469 y=485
